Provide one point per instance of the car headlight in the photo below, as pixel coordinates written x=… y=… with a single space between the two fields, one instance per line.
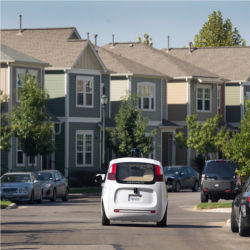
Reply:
x=23 y=190
x=48 y=185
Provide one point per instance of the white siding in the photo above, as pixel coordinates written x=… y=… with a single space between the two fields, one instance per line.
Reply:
x=118 y=89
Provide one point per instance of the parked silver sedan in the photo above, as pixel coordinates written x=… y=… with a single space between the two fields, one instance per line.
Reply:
x=21 y=186
x=55 y=185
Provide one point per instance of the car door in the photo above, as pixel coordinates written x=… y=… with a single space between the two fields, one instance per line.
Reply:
x=192 y=177
x=184 y=177
x=59 y=185
x=36 y=186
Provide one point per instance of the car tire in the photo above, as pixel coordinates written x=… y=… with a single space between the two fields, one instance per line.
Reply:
x=53 y=199
x=163 y=222
x=177 y=187
x=31 y=201
x=105 y=220
x=196 y=186
x=40 y=200
x=243 y=230
x=204 y=198
x=234 y=224
x=66 y=195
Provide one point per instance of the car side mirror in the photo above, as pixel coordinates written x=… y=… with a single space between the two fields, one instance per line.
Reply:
x=57 y=179
x=182 y=173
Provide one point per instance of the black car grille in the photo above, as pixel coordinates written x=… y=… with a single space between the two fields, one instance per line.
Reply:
x=9 y=190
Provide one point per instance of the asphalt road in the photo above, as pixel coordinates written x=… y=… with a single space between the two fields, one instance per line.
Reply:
x=77 y=225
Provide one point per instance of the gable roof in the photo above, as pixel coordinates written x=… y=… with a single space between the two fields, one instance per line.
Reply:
x=60 y=47
x=232 y=63
x=8 y=55
x=153 y=58
x=118 y=64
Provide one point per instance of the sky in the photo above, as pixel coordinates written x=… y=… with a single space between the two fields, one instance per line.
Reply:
x=127 y=20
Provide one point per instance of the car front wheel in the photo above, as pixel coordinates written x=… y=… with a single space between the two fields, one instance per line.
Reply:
x=53 y=196
x=204 y=197
x=177 y=187
x=31 y=201
x=66 y=195
x=196 y=186
x=234 y=225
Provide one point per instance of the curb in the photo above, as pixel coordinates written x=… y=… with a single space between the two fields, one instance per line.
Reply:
x=12 y=206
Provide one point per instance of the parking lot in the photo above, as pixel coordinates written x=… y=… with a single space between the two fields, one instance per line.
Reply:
x=76 y=224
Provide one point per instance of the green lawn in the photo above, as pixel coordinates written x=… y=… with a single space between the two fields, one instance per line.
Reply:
x=5 y=204
x=85 y=190
x=211 y=205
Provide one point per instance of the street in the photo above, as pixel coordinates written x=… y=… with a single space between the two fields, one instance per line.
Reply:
x=76 y=224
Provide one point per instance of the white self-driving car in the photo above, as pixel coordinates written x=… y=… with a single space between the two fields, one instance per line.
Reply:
x=134 y=190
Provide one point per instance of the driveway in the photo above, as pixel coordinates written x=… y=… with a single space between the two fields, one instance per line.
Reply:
x=77 y=225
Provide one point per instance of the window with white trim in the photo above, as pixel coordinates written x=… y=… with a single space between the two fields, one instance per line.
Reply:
x=84 y=91
x=218 y=97
x=84 y=148
x=203 y=98
x=20 y=78
x=20 y=156
x=146 y=96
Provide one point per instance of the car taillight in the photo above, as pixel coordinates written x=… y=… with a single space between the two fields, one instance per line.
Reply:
x=248 y=199
x=158 y=174
x=112 y=173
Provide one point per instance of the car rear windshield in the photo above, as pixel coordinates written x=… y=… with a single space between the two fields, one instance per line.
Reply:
x=142 y=173
x=224 y=169
x=15 y=178
x=44 y=176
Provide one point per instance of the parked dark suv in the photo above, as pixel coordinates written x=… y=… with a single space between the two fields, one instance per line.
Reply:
x=218 y=181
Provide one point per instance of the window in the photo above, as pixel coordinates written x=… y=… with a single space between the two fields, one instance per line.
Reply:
x=84 y=148
x=84 y=91
x=218 y=97
x=20 y=78
x=203 y=98
x=20 y=155
x=146 y=94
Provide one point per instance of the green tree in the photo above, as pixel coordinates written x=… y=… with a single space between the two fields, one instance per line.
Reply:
x=217 y=32
x=29 y=121
x=146 y=40
x=203 y=138
x=5 y=129
x=237 y=147
x=130 y=129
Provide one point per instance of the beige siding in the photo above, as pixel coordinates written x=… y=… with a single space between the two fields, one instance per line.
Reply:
x=118 y=89
x=55 y=85
x=177 y=93
x=88 y=60
x=4 y=86
x=232 y=95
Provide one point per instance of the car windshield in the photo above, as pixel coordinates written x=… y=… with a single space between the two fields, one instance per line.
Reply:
x=15 y=178
x=44 y=176
x=135 y=173
x=225 y=169
x=171 y=170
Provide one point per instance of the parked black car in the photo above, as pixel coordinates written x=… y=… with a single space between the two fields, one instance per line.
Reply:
x=218 y=180
x=55 y=185
x=240 y=216
x=179 y=177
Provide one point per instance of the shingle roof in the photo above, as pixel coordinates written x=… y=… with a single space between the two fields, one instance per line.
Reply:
x=52 y=45
x=10 y=55
x=155 y=59
x=119 y=64
x=228 y=62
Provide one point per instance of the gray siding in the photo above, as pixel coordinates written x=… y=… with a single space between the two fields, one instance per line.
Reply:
x=152 y=115
x=60 y=150
x=55 y=85
x=164 y=99
x=105 y=80
x=82 y=111
x=73 y=127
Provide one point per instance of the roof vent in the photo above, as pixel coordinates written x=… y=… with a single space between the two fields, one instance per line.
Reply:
x=168 y=48
x=88 y=35
x=95 y=36
x=113 y=40
x=20 y=25
x=131 y=45
x=190 y=47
